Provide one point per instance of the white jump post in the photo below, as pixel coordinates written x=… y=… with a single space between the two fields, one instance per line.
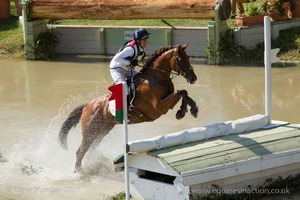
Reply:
x=126 y=146
x=24 y=21
x=267 y=61
x=118 y=108
x=269 y=57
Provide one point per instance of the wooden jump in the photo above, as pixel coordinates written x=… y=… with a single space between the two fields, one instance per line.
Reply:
x=169 y=167
x=127 y=9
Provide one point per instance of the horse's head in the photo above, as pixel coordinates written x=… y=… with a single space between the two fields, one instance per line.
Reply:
x=182 y=64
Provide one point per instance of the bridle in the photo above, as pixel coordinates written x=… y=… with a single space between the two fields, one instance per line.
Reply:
x=173 y=73
x=176 y=56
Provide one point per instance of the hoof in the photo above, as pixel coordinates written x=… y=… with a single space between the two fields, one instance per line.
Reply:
x=194 y=111
x=180 y=114
x=78 y=170
x=182 y=93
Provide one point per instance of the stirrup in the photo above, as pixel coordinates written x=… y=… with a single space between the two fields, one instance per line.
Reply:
x=131 y=107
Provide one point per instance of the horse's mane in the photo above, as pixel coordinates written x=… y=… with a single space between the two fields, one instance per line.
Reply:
x=155 y=55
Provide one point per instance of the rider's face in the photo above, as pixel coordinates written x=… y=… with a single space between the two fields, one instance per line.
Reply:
x=143 y=43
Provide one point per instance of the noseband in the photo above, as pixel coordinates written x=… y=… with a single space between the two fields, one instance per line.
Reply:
x=181 y=72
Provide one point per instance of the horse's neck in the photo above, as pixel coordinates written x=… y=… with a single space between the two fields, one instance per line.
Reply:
x=163 y=64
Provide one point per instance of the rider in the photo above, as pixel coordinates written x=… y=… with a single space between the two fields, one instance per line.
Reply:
x=123 y=63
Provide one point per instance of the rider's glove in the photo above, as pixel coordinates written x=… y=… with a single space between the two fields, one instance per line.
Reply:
x=133 y=63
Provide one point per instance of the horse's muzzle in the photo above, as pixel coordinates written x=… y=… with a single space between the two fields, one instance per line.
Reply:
x=192 y=79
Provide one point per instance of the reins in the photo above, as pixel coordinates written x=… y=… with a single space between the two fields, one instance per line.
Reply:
x=161 y=70
x=175 y=74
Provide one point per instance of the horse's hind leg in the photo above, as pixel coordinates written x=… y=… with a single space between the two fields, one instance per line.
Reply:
x=92 y=134
x=83 y=148
x=92 y=137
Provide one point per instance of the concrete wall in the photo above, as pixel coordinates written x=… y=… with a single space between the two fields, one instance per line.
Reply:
x=34 y=28
x=79 y=40
x=197 y=39
x=108 y=40
x=250 y=36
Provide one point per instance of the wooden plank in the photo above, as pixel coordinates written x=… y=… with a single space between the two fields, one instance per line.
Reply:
x=236 y=145
x=148 y=163
x=255 y=179
x=126 y=9
x=256 y=150
x=232 y=156
x=224 y=140
x=206 y=146
x=231 y=149
x=252 y=177
x=240 y=167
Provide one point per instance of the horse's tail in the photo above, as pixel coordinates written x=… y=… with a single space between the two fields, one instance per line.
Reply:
x=69 y=123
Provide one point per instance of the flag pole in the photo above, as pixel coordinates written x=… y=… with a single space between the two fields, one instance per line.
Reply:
x=126 y=147
x=270 y=56
x=267 y=60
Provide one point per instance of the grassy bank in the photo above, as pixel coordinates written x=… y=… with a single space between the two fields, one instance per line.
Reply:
x=149 y=22
x=11 y=36
x=289 y=44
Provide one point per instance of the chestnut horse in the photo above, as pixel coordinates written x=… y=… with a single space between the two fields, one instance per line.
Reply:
x=155 y=95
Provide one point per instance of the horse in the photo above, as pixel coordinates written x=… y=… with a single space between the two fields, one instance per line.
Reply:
x=155 y=96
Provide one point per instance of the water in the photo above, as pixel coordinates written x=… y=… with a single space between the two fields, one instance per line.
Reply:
x=36 y=96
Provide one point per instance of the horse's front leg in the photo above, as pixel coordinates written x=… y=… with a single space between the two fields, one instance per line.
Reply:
x=194 y=108
x=167 y=103
x=183 y=108
x=186 y=100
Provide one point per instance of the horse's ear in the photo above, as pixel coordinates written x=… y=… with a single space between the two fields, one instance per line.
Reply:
x=185 y=46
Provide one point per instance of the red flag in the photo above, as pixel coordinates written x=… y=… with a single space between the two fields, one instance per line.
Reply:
x=116 y=98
